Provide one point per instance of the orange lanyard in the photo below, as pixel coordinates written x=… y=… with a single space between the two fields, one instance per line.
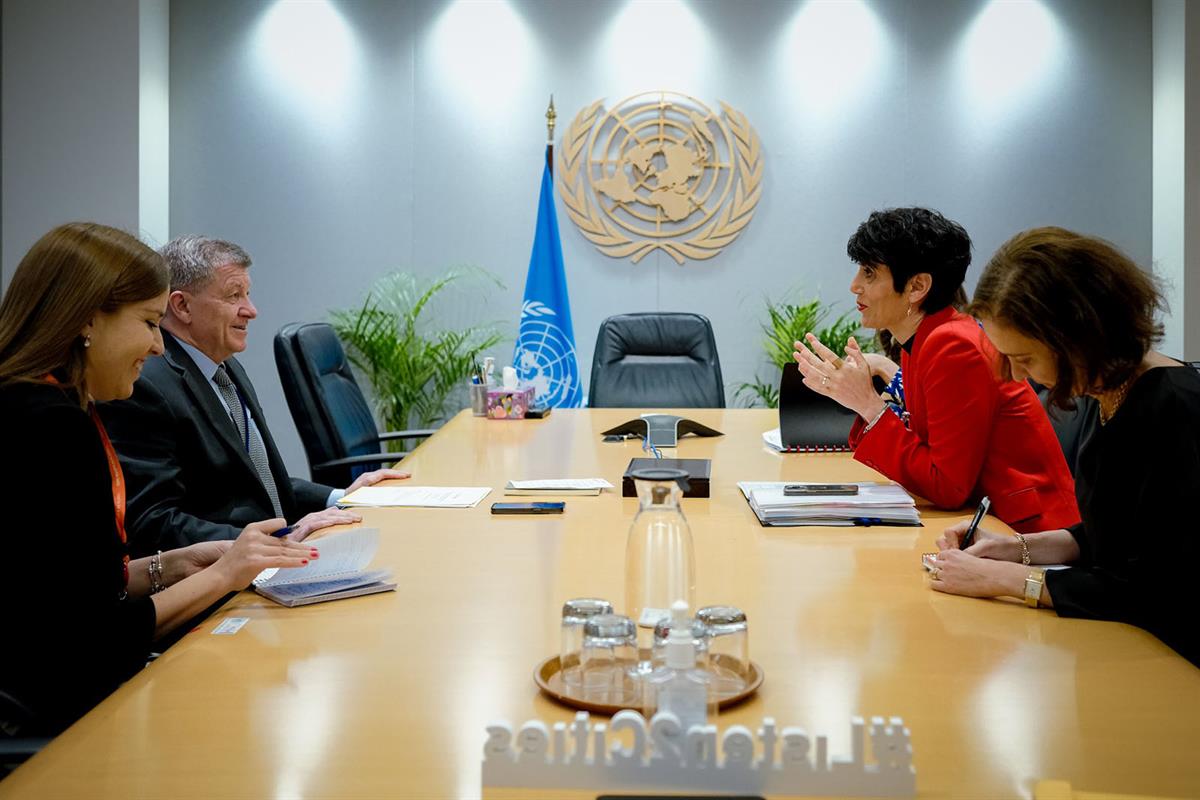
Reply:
x=115 y=475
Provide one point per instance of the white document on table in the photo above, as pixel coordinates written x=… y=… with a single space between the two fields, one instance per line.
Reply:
x=562 y=483
x=416 y=496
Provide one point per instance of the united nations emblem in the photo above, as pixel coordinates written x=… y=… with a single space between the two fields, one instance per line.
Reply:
x=660 y=171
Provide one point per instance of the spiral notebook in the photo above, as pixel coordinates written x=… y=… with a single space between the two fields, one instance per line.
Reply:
x=809 y=422
x=338 y=572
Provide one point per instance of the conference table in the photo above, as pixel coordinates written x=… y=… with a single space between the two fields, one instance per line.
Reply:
x=389 y=695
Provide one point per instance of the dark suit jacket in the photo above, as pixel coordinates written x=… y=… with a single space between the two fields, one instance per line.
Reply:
x=189 y=477
x=70 y=636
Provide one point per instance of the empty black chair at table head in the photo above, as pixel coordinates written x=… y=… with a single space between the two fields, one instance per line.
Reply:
x=332 y=417
x=656 y=360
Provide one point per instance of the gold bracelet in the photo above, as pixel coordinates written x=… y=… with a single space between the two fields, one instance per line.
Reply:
x=1024 y=549
x=1034 y=582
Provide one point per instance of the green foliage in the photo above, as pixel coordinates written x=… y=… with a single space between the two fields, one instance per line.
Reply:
x=413 y=368
x=788 y=323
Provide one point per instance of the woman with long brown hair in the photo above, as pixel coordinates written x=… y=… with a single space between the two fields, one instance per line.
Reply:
x=1077 y=315
x=78 y=320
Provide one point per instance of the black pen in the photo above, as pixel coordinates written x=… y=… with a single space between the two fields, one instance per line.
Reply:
x=980 y=513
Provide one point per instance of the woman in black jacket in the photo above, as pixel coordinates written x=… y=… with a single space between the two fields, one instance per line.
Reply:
x=78 y=320
x=1075 y=314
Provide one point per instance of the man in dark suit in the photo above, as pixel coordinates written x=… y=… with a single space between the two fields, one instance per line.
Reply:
x=198 y=458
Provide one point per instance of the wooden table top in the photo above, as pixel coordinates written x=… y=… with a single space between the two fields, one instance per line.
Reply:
x=388 y=695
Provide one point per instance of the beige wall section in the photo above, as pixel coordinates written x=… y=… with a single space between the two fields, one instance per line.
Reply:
x=69 y=118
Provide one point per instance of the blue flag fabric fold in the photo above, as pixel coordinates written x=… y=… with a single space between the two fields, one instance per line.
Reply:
x=544 y=356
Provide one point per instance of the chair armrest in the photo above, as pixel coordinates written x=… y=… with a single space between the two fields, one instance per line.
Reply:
x=369 y=458
x=423 y=433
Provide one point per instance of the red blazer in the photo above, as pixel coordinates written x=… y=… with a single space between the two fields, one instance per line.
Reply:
x=972 y=432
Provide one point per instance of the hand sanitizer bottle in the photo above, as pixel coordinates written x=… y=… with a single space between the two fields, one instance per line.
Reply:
x=680 y=686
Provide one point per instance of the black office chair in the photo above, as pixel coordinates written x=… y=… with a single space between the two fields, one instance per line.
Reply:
x=656 y=360
x=335 y=423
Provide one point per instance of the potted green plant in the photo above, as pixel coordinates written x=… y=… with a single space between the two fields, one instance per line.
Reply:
x=787 y=323
x=416 y=368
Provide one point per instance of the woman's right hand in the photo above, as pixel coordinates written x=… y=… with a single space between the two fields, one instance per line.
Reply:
x=255 y=550
x=995 y=546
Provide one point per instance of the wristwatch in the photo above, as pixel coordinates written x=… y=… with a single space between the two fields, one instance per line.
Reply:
x=1034 y=582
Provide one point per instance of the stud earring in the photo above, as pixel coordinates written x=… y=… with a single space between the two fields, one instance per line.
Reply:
x=87 y=340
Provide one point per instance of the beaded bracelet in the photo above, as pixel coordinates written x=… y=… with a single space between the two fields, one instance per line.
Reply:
x=156 y=579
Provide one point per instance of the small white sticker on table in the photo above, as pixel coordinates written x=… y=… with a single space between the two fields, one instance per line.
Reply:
x=230 y=626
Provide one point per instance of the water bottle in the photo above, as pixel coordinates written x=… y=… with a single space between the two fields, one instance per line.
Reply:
x=660 y=565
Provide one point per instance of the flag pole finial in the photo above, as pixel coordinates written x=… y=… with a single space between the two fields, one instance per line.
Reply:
x=551 y=116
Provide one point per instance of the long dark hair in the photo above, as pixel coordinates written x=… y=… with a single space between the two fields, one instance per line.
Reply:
x=70 y=274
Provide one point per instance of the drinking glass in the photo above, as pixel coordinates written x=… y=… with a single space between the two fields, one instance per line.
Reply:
x=574 y=614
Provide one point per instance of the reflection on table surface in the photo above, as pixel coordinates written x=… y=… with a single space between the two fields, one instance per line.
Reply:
x=389 y=695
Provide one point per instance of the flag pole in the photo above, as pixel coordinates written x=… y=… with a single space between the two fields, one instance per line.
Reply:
x=551 y=116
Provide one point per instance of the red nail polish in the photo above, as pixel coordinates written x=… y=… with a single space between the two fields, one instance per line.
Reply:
x=305 y=561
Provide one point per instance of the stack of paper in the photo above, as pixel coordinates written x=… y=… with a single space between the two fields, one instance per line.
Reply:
x=416 y=496
x=558 y=487
x=875 y=504
x=336 y=574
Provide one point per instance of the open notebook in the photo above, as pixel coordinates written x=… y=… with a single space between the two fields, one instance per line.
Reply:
x=338 y=573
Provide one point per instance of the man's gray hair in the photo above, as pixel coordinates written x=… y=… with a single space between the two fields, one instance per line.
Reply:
x=193 y=259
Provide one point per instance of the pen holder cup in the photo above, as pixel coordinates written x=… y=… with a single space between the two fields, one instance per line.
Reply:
x=509 y=403
x=479 y=399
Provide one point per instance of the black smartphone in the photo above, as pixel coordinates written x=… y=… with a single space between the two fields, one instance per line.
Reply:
x=537 y=412
x=528 y=508
x=820 y=489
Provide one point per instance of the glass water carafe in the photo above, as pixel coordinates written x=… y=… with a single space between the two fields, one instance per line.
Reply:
x=660 y=566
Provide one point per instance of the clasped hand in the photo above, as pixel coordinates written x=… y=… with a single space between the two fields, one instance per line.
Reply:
x=976 y=571
x=846 y=380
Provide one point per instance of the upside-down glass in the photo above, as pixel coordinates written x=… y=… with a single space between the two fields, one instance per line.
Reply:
x=728 y=647
x=574 y=614
x=609 y=660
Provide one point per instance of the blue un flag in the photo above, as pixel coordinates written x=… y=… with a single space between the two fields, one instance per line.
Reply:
x=545 y=353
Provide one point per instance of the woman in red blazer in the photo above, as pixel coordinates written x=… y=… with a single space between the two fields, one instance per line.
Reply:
x=959 y=430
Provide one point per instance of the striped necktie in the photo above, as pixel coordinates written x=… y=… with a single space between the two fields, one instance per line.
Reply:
x=249 y=435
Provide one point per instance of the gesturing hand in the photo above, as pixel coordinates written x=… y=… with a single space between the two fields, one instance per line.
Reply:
x=846 y=380
x=372 y=478
x=255 y=550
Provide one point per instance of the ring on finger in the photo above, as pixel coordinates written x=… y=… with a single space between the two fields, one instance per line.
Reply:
x=837 y=363
x=825 y=380
x=935 y=573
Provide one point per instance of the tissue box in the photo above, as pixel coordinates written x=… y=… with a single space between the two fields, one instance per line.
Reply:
x=509 y=403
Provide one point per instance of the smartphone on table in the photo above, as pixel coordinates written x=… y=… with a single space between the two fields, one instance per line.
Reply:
x=528 y=508
x=820 y=489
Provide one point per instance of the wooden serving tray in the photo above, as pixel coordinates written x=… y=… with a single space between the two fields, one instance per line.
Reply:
x=548 y=677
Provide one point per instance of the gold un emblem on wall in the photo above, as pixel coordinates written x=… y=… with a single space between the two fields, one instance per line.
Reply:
x=660 y=171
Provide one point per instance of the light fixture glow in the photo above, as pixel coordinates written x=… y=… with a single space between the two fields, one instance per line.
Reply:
x=655 y=44
x=1008 y=51
x=482 y=51
x=830 y=52
x=307 y=49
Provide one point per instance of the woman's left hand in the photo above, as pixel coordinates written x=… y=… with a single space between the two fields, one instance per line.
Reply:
x=846 y=380
x=956 y=572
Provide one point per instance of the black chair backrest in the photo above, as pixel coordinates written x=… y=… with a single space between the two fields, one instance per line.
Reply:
x=1073 y=427
x=810 y=421
x=656 y=360
x=331 y=414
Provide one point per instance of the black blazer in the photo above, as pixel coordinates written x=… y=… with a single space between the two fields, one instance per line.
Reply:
x=70 y=638
x=189 y=476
